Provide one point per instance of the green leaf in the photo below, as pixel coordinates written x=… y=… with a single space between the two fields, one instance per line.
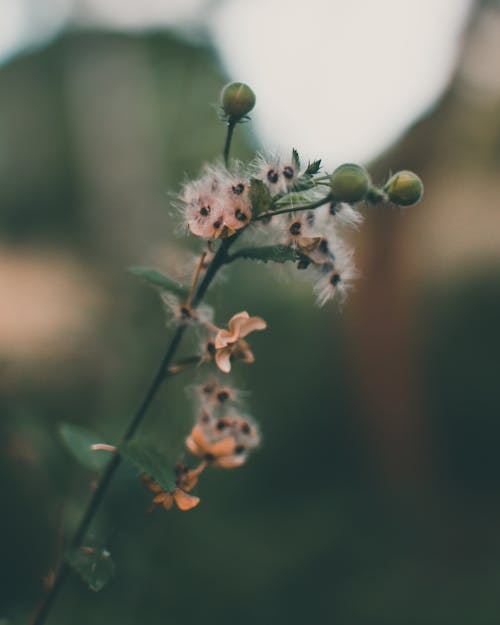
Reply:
x=93 y=565
x=78 y=441
x=313 y=168
x=159 y=280
x=296 y=159
x=152 y=461
x=273 y=253
x=260 y=197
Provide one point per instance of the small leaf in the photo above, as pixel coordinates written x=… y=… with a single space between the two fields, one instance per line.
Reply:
x=159 y=280
x=296 y=159
x=260 y=197
x=93 y=565
x=296 y=196
x=152 y=461
x=313 y=168
x=273 y=253
x=78 y=441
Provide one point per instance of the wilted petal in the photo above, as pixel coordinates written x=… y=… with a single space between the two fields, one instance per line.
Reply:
x=252 y=324
x=223 y=359
x=199 y=438
x=185 y=501
x=165 y=499
x=234 y=324
x=223 y=338
x=150 y=484
x=188 y=479
x=225 y=447
x=193 y=447
x=230 y=462
x=242 y=351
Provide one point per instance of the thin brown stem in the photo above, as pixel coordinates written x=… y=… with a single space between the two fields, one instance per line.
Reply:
x=182 y=365
x=195 y=279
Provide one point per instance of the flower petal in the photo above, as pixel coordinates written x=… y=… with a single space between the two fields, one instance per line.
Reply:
x=196 y=442
x=223 y=338
x=252 y=324
x=223 y=359
x=235 y=322
x=224 y=447
x=199 y=438
x=193 y=447
x=185 y=501
x=165 y=499
x=242 y=351
x=150 y=484
x=230 y=462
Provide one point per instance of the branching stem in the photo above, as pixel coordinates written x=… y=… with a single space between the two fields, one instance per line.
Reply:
x=218 y=261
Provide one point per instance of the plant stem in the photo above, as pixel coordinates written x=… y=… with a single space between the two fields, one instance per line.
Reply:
x=219 y=259
x=304 y=207
x=229 y=136
x=183 y=364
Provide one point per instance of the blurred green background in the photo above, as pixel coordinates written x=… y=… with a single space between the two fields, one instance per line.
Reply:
x=375 y=496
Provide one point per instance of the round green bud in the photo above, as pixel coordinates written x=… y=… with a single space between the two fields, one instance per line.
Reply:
x=237 y=99
x=349 y=183
x=404 y=188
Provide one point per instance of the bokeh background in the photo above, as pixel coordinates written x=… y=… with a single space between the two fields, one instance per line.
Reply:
x=375 y=498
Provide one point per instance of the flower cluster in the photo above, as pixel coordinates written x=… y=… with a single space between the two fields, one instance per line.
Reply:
x=217 y=205
x=294 y=214
x=222 y=436
x=287 y=206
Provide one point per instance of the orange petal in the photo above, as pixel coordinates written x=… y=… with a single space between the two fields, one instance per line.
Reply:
x=185 y=501
x=199 y=439
x=168 y=502
x=165 y=499
x=223 y=338
x=252 y=324
x=243 y=352
x=193 y=447
x=229 y=462
x=190 y=478
x=223 y=359
x=150 y=484
x=199 y=469
x=234 y=324
x=224 y=447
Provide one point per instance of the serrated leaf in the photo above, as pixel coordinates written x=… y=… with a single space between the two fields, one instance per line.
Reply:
x=78 y=441
x=296 y=159
x=93 y=565
x=159 y=280
x=260 y=197
x=152 y=461
x=270 y=253
x=313 y=168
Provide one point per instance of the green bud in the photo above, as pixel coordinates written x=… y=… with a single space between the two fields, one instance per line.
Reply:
x=349 y=183
x=404 y=188
x=237 y=99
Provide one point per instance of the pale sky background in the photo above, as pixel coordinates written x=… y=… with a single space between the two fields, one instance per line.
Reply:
x=338 y=79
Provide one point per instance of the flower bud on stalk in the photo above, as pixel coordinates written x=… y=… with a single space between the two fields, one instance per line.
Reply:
x=349 y=183
x=404 y=188
x=237 y=100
